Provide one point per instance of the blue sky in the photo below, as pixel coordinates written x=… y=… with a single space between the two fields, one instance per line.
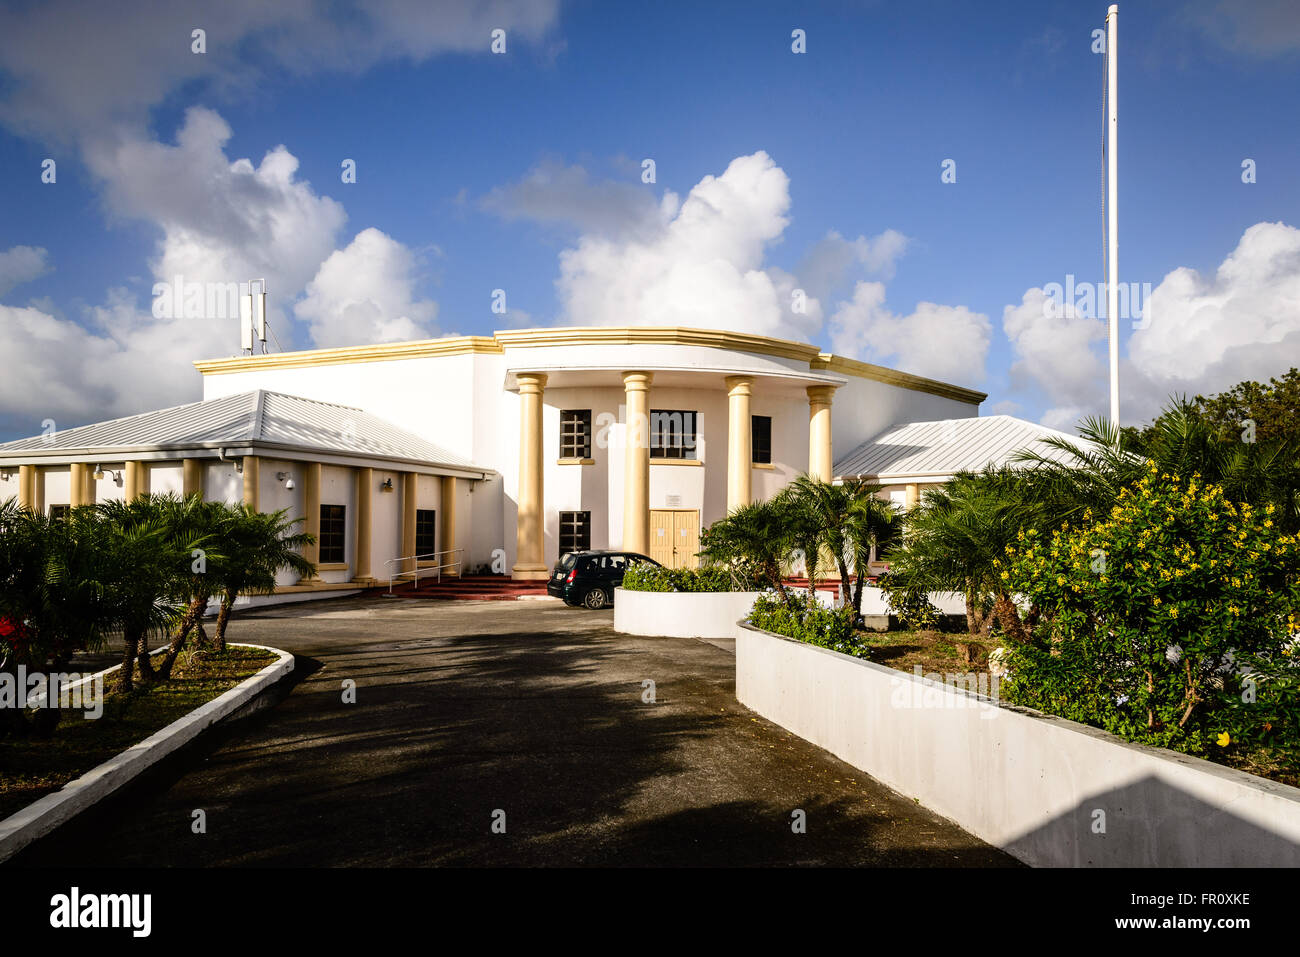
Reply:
x=479 y=171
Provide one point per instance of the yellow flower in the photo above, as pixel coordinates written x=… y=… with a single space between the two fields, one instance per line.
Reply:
x=1223 y=740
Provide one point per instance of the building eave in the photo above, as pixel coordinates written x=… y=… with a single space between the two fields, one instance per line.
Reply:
x=905 y=380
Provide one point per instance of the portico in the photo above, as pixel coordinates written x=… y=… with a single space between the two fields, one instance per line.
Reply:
x=636 y=418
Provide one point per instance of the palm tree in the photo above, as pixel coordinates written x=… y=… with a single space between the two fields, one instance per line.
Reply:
x=754 y=541
x=257 y=546
x=203 y=525
x=873 y=525
x=144 y=547
x=955 y=535
x=820 y=513
x=845 y=519
x=1182 y=443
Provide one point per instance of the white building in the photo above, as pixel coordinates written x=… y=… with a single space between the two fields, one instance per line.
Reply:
x=499 y=452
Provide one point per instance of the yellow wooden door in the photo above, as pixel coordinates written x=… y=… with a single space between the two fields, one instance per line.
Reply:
x=661 y=536
x=686 y=539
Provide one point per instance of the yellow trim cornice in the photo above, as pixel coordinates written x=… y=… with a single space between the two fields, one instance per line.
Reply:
x=658 y=336
x=501 y=340
x=379 y=352
x=865 y=370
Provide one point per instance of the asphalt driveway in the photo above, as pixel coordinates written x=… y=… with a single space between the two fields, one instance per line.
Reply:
x=525 y=712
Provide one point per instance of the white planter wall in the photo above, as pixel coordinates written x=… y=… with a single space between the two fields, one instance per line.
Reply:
x=948 y=602
x=1038 y=786
x=681 y=614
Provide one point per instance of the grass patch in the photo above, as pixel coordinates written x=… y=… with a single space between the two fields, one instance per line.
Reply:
x=30 y=768
x=932 y=650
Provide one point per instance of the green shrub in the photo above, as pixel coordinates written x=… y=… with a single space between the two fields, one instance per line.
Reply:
x=810 y=621
x=1172 y=622
x=643 y=576
x=910 y=603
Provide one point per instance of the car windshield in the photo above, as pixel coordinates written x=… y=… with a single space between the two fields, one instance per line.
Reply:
x=568 y=561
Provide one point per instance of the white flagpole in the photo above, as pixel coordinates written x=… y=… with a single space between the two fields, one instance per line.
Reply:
x=1112 y=205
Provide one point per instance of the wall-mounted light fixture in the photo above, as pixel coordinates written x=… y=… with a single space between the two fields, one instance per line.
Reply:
x=287 y=479
x=100 y=471
x=387 y=485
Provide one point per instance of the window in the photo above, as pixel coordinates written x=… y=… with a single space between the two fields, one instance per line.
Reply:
x=59 y=512
x=760 y=437
x=575 y=434
x=331 y=534
x=426 y=531
x=575 y=532
x=672 y=434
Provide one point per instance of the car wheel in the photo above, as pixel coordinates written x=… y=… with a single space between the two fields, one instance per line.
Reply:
x=596 y=598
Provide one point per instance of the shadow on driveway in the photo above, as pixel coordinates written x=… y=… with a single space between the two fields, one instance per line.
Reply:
x=531 y=709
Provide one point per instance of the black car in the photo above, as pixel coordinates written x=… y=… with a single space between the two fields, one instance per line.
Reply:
x=589 y=578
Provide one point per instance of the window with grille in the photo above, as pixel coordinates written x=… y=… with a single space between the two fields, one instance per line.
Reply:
x=59 y=512
x=332 y=524
x=575 y=434
x=575 y=532
x=760 y=434
x=426 y=531
x=672 y=434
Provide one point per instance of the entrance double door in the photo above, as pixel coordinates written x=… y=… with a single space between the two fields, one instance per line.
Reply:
x=675 y=537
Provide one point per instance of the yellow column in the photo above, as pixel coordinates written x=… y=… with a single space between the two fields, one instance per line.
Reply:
x=365 y=490
x=410 y=502
x=448 y=520
x=252 y=481
x=311 y=516
x=27 y=487
x=740 y=452
x=530 y=564
x=192 y=477
x=636 y=470
x=77 y=476
x=913 y=495
x=819 y=432
x=136 y=476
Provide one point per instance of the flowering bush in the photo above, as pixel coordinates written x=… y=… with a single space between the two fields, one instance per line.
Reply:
x=803 y=620
x=1171 y=621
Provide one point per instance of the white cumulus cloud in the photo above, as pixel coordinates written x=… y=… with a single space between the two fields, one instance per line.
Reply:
x=365 y=293
x=20 y=264
x=1200 y=335
x=942 y=342
x=702 y=266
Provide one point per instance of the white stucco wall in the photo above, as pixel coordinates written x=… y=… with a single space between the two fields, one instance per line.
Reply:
x=681 y=614
x=221 y=483
x=166 y=478
x=466 y=404
x=1030 y=783
x=58 y=485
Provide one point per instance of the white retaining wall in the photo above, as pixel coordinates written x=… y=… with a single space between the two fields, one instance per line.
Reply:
x=1049 y=791
x=675 y=614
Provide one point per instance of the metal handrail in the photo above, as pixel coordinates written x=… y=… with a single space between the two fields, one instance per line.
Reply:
x=414 y=573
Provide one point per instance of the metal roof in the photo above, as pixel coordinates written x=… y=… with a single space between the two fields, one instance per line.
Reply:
x=259 y=418
x=948 y=446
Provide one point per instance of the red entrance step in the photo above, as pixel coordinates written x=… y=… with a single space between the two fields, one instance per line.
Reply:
x=469 y=588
